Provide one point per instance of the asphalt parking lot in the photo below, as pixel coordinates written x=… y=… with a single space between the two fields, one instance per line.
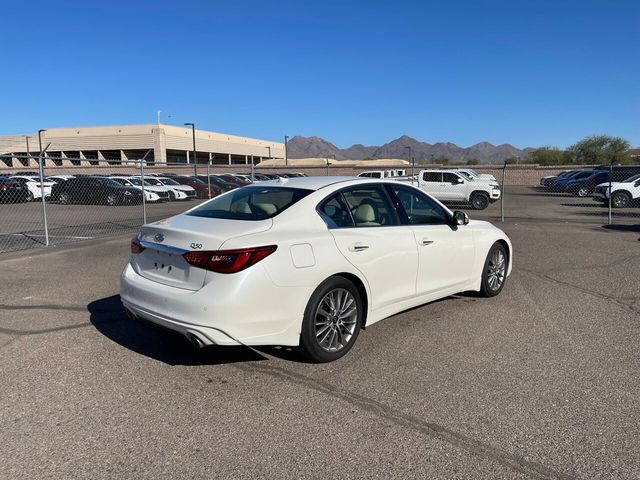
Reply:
x=539 y=382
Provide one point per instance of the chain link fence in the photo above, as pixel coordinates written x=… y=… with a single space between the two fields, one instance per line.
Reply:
x=71 y=200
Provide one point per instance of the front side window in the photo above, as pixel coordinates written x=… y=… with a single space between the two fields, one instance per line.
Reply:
x=250 y=203
x=450 y=178
x=370 y=206
x=419 y=208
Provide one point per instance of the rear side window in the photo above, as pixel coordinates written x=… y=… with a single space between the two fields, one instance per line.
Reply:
x=370 y=206
x=250 y=203
x=335 y=213
x=432 y=177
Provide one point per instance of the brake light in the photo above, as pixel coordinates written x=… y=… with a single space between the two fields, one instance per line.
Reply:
x=136 y=247
x=229 y=261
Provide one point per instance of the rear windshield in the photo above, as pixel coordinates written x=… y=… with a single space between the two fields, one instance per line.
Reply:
x=250 y=203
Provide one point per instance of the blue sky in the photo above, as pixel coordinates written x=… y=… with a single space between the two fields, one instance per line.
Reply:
x=528 y=73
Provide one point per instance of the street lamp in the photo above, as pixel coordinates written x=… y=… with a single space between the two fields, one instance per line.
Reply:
x=413 y=163
x=329 y=163
x=195 y=158
x=286 y=156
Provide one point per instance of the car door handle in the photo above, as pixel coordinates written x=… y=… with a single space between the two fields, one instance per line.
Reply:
x=426 y=241
x=358 y=247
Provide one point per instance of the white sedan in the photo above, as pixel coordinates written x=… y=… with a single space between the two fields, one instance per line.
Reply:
x=307 y=262
x=33 y=186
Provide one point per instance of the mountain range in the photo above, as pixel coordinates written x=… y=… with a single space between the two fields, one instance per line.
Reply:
x=483 y=152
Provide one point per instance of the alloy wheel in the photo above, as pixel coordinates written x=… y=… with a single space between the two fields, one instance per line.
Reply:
x=496 y=269
x=335 y=320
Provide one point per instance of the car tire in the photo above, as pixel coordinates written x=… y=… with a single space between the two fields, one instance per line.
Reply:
x=620 y=199
x=112 y=199
x=494 y=272
x=582 y=192
x=31 y=197
x=479 y=200
x=172 y=196
x=64 y=198
x=332 y=320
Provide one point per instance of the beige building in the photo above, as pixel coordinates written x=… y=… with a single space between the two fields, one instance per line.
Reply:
x=123 y=144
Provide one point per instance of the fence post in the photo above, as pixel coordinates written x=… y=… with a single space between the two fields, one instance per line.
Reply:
x=208 y=180
x=144 y=193
x=42 y=196
x=610 y=206
x=253 y=179
x=504 y=169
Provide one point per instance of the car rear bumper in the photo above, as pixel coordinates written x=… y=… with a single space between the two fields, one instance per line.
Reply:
x=244 y=308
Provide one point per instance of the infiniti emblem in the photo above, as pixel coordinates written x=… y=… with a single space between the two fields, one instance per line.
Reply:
x=158 y=237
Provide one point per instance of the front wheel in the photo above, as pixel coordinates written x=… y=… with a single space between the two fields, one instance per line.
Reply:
x=583 y=192
x=332 y=320
x=620 y=199
x=112 y=199
x=479 y=201
x=494 y=272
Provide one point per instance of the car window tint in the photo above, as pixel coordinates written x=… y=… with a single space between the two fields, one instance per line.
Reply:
x=419 y=208
x=335 y=213
x=250 y=203
x=449 y=177
x=432 y=177
x=370 y=207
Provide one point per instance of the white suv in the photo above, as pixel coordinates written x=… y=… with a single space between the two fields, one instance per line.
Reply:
x=453 y=187
x=622 y=193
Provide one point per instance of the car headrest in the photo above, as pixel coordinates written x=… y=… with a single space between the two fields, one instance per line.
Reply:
x=364 y=214
x=241 y=207
x=268 y=208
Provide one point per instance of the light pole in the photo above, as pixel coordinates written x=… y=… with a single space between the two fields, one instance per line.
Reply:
x=286 y=156
x=195 y=158
x=41 y=172
x=411 y=159
x=329 y=163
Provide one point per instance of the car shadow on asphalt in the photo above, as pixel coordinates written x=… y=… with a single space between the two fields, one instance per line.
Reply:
x=110 y=319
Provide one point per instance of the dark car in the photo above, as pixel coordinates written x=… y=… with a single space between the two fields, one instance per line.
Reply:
x=12 y=191
x=232 y=179
x=218 y=182
x=200 y=186
x=98 y=190
x=559 y=184
x=585 y=186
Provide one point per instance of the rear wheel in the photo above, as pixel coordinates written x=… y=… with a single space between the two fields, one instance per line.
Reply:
x=30 y=196
x=620 y=199
x=64 y=198
x=332 y=320
x=494 y=272
x=479 y=200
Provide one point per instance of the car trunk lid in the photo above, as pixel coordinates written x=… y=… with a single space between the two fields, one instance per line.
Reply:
x=166 y=241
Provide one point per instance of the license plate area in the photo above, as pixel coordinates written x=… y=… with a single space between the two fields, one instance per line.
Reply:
x=169 y=269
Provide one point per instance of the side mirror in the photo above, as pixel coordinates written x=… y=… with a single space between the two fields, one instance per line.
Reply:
x=460 y=218
x=458 y=180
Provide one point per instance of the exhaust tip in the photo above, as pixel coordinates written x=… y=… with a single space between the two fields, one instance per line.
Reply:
x=195 y=341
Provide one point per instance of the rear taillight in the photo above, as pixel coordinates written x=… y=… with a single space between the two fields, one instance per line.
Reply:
x=135 y=246
x=229 y=261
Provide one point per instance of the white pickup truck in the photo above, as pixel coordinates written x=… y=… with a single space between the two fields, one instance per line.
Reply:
x=622 y=193
x=450 y=186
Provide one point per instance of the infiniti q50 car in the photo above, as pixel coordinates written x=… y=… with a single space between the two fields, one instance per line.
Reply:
x=307 y=262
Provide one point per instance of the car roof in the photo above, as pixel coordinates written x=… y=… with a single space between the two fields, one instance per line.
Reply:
x=311 y=183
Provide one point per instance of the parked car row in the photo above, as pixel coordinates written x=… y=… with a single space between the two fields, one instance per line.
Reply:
x=595 y=181
x=119 y=188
